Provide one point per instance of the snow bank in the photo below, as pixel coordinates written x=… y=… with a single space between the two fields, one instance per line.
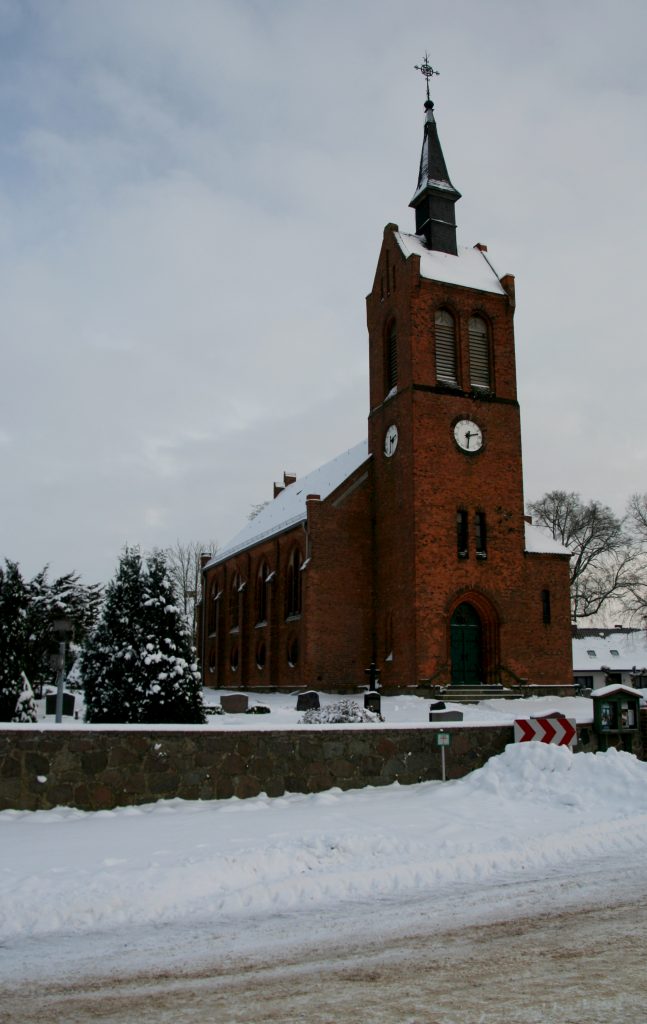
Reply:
x=533 y=808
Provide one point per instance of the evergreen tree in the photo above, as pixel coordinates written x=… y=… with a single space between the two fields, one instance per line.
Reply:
x=14 y=603
x=170 y=682
x=138 y=665
x=25 y=710
x=111 y=662
x=66 y=597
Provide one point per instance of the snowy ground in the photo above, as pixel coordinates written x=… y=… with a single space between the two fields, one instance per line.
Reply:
x=241 y=900
x=166 y=884
x=402 y=710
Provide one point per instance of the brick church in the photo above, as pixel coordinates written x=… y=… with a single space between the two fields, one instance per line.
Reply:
x=411 y=550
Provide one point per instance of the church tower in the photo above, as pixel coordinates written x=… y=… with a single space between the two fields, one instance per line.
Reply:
x=461 y=594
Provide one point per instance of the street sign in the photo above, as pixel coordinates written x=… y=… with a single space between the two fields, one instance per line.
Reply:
x=562 y=731
x=443 y=739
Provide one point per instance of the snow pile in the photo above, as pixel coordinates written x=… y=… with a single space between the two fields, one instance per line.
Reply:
x=340 y=712
x=533 y=809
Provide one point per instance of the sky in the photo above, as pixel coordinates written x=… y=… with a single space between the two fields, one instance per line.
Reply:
x=192 y=199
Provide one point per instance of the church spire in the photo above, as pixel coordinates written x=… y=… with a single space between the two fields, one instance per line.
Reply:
x=435 y=196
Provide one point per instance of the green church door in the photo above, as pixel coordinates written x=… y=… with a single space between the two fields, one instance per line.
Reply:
x=466 y=646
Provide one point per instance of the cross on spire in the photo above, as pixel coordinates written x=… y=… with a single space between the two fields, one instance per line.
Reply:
x=426 y=69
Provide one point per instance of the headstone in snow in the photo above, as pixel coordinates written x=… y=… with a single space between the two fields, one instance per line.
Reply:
x=438 y=705
x=372 y=702
x=308 y=701
x=68 y=704
x=445 y=716
x=234 y=703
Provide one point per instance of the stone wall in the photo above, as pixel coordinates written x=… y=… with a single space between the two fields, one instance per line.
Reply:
x=98 y=768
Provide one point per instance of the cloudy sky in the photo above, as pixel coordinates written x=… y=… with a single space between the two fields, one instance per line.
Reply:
x=192 y=198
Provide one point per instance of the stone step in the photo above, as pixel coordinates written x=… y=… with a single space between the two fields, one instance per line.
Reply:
x=474 y=694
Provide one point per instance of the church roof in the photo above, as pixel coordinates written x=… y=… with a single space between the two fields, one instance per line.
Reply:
x=540 y=542
x=288 y=509
x=470 y=268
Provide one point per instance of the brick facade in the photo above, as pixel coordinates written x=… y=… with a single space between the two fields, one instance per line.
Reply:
x=384 y=573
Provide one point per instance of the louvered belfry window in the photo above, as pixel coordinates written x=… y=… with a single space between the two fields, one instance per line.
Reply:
x=445 y=348
x=479 y=353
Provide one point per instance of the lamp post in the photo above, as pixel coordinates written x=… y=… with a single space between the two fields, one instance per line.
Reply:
x=64 y=629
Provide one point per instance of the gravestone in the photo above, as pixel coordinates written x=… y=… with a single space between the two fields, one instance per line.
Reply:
x=234 y=703
x=438 y=705
x=373 y=702
x=308 y=701
x=445 y=716
x=68 y=704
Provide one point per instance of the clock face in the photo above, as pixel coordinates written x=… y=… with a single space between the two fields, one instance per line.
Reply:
x=468 y=436
x=390 y=441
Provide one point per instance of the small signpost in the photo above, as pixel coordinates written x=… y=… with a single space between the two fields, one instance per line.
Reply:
x=443 y=739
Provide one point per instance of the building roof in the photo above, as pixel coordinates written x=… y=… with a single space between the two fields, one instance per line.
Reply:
x=288 y=509
x=540 y=542
x=618 y=650
x=606 y=691
x=469 y=269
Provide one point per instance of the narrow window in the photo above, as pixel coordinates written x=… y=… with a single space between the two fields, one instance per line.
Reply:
x=545 y=607
x=391 y=358
x=479 y=344
x=293 y=585
x=234 y=603
x=293 y=651
x=261 y=656
x=461 y=533
x=212 y=609
x=445 y=348
x=480 y=535
x=261 y=593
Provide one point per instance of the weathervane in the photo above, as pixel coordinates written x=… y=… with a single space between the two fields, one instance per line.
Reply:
x=427 y=70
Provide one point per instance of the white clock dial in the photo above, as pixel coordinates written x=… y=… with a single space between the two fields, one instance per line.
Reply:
x=390 y=441
x=468 y=436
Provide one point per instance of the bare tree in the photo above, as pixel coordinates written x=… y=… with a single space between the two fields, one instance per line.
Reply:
x=636 y=600
x=605 y=559
x=183 y=561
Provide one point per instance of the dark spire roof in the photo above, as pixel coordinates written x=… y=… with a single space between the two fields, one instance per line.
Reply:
x=435 y=195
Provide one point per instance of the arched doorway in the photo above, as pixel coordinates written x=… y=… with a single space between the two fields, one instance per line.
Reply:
x=466 y=646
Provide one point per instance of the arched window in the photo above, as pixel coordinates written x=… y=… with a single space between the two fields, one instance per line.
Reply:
x=293 y=585
x=234 y=602
x=545 y=607
x=261 y=593
x=293 y=651
x=446 y=368
x=212 y=608
x=480 y=376
x=391 y=357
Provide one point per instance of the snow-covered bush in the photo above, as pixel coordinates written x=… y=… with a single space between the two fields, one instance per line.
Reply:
x=338 y=713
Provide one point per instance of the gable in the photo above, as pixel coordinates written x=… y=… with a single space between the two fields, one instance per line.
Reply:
x=289 y=509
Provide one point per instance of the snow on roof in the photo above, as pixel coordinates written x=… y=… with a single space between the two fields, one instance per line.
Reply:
x=470 y=269
x=604 y=691
x=289 y=507
x=539 y=542
x=619 y=652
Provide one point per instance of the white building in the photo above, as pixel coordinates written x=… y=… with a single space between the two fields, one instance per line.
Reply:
x=603 y=657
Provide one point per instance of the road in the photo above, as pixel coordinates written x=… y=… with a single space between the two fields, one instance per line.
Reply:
x=578 y=957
